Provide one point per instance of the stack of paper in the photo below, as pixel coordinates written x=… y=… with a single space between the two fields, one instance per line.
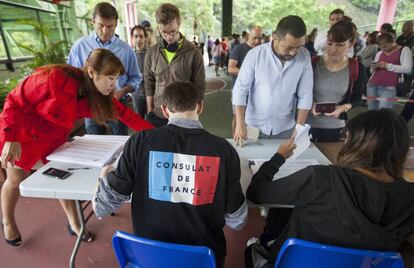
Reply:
x=90 y=150
x=286 y=169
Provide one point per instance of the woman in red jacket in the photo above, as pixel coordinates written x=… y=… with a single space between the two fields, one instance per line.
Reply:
x=38 y=116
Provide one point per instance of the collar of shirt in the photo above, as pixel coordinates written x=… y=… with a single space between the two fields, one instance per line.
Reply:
x=283 y=64
x=140 y=51
x=185 y=122
x=106 y=44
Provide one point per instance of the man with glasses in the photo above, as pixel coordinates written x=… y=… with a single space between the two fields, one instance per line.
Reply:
x=275 y=79
x=105 y=20
x=174 y=58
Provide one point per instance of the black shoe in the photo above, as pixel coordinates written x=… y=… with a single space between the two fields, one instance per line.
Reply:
x=86 y=237
x=15 y=242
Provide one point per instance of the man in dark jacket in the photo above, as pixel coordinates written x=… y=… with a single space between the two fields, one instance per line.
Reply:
x=173 y=59
x=185 y=181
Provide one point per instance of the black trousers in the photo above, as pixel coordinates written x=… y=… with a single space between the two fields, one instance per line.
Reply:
x=276 y=222
x=326 y=134
x=408 y=109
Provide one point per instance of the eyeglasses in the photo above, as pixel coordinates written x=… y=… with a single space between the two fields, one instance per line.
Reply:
x=171 y=33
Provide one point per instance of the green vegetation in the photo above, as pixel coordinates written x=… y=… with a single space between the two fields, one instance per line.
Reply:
x=268 y=13
x=50 y=52
x=5 y=88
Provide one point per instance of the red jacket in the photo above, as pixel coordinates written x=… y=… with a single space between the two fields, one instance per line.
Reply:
x=40 y=113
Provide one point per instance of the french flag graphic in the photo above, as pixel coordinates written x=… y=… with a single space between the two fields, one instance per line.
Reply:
x=177 y=178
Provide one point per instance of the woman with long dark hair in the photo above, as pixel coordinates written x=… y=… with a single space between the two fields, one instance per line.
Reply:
x=361 y=202
x=38 y=116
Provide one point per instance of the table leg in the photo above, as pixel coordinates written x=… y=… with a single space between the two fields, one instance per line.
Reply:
x=82 y=230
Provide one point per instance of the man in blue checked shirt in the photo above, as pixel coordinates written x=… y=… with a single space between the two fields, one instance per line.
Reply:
x=104 y=19
x=275 y=79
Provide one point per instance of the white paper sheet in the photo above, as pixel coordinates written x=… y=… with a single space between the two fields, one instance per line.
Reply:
x=302 y=141
x=286 y=169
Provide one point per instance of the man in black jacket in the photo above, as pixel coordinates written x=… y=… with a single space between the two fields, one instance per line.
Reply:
x=185 y=181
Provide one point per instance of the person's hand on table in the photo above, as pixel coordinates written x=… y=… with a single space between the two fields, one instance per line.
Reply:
x=286 y=148
x=11 y=152
x=240 y=134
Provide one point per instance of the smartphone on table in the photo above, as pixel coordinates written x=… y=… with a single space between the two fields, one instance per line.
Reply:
x=325 y=107
x=58 y=173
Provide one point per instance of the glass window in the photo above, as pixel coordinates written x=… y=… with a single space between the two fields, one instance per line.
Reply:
x=3 y=54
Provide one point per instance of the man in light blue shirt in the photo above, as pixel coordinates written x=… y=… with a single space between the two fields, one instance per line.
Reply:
x=275 y=79
x=105 y=19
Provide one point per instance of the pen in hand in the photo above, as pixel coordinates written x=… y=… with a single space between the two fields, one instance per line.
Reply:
x=79 y=168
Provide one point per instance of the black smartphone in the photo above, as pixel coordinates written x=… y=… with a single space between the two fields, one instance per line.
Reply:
x=325 y=107
x=58 y=173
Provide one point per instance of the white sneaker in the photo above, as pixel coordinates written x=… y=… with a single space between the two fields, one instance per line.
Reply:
x=252 y=240
x=263 y=211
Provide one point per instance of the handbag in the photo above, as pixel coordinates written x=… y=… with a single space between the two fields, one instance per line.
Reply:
x=403 y=89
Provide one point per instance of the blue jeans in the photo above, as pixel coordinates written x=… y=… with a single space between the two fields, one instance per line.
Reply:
x=117 y=127
x=380 y=92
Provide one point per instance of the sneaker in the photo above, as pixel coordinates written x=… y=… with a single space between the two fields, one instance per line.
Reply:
x=263 y=211
x=252 y=241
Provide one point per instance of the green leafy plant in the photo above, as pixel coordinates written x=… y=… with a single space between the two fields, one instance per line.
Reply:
x=5 y=87
x=54 y=53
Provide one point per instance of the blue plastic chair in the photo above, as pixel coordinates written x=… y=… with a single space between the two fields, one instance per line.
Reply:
x=137 y=252
x=299 y=253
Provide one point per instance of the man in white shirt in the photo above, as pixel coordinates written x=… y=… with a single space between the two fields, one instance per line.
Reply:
x=275 y=79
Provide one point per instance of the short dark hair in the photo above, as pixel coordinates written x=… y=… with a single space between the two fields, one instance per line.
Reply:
x=293 y=25
x=387 y=27
x=181 y=96
x=105 y=10
x=372 y=38
x=337 y=11
x=386 y=37
x=377 y=140
x=341 y=31
x=166 y=13
x=140 y=27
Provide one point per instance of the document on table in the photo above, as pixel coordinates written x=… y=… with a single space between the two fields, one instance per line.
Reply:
x=90 y=150
x=302 y=141
x=286 y=169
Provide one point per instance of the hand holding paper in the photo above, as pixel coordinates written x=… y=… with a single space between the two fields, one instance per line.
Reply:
x=286 y=148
